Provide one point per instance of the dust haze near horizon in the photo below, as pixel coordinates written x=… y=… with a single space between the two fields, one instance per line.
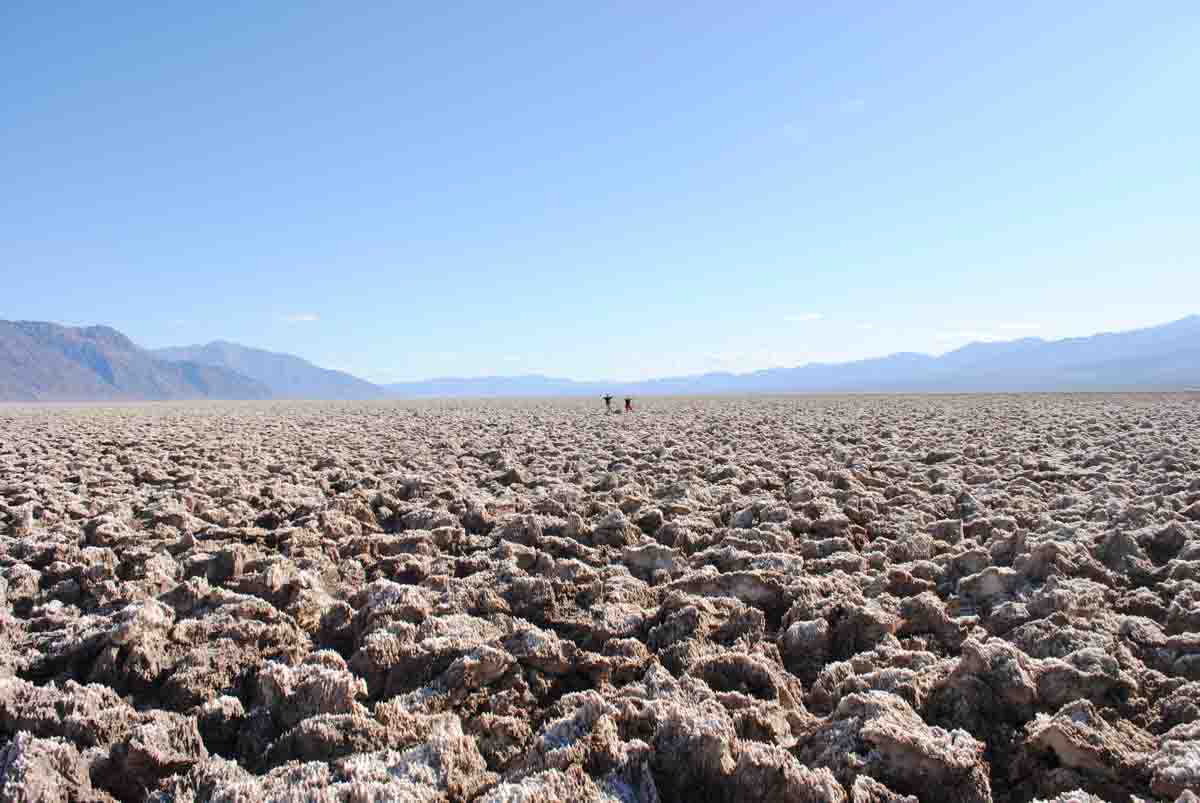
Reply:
x=1003 y=333
x=598 y=193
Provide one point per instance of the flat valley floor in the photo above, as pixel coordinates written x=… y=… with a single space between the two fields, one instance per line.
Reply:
x=806 y=598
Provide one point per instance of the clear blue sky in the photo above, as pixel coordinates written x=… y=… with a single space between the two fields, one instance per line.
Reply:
x=598 y=189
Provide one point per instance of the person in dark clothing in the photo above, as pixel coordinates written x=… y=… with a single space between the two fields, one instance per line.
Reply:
x=608 y=402
x=628 y=405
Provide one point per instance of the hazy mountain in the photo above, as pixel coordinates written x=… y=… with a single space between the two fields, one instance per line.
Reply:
x=42 y=361
x=47 y=362
x=1157 y=357
x=288 y=376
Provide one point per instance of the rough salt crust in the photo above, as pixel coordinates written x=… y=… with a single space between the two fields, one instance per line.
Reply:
x=771 y=599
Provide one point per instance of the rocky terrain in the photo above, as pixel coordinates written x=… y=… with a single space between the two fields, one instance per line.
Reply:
x=863 y=599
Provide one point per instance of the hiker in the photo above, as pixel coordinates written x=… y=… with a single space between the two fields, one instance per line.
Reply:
x=628 y=405
x=608 y=402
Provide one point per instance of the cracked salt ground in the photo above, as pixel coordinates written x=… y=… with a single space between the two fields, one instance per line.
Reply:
x=772 y=599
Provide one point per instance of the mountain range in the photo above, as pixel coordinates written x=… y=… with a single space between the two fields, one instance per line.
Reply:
x=287 y=376
x=47 y=362
x=1157 y=357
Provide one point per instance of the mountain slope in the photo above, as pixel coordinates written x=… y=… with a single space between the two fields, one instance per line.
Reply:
x=288 y=376
x=47 y=362
x=1153 y=357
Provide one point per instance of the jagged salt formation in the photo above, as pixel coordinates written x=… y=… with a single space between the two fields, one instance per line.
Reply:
x=801 y=599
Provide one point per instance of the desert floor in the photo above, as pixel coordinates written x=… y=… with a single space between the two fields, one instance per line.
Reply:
x=868 y=598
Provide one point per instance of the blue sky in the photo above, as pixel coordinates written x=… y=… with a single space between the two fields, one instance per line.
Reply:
x=598 y=190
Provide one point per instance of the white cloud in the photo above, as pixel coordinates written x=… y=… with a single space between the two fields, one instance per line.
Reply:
x=804 y=317
x=1018 y=327
x=302 y=317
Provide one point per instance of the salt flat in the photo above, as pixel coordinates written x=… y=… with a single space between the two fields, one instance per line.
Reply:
x=953 y=598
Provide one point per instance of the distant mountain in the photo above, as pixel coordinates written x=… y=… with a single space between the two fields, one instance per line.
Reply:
x=43 y=361
x=288 y=376
x=1157 y=357
x=47 y=362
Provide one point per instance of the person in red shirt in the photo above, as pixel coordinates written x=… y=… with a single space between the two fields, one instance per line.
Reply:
x=628 y=405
